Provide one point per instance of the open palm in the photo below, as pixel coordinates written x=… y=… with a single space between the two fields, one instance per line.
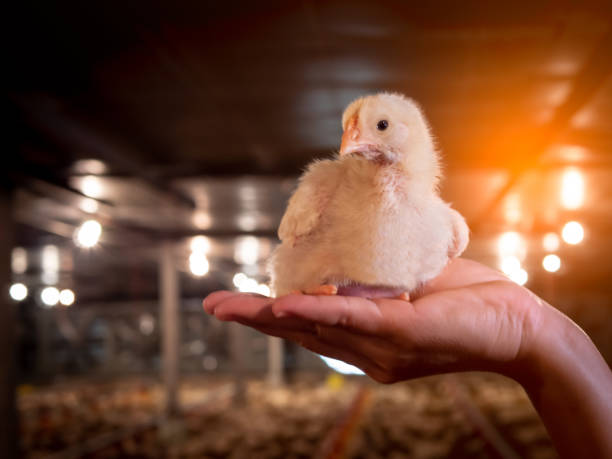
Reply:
x=470 y=317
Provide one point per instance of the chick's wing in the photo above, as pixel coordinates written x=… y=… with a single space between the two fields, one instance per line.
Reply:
x=309 y=201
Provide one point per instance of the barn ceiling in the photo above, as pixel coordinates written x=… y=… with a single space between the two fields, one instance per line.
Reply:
x=201 y=114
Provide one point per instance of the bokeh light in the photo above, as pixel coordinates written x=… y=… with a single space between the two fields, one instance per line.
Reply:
x=520 y=276
x=510 y=243
x=551 y=263
x=91 y=186
x=50 y=296
x=66 y=297
x=89 y=205
x=572 y=233
x=246 y=250
x=572 y=189
x=198 y=264
x=551 y=242
x=88 y=234
x=18 y=291
x=509 y=264
x=200 y=244
x=19 y=260
x=246 y=284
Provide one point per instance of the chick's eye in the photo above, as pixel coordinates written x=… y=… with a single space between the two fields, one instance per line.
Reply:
x=382 y=125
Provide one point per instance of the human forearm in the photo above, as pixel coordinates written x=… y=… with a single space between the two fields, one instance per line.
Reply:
x=569 y=384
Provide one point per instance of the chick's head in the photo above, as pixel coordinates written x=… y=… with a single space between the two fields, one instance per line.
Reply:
x=390 y=129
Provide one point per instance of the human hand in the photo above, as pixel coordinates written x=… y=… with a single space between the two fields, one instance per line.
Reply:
x=470 y=317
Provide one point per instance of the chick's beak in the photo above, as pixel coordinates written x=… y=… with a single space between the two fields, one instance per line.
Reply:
x=353 y=140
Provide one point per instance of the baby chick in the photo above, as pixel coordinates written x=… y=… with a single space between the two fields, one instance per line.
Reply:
x=369 y=222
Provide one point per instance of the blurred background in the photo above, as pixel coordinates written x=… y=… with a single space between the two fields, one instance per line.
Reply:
x=151 y=148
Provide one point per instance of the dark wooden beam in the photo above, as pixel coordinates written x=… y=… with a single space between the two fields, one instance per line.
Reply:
x=73 y=132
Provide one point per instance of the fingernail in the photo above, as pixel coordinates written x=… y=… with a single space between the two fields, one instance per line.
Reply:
x=206 y=307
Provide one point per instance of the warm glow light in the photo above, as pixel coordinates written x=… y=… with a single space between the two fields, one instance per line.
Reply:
x=50 y=264
x=519 y=276
x=572 y=233
x=50 y=258
x=572 y=189
x=551 y=263
x=248 y=285
x=200 y=244
x=246 y=250
x=91 y=186
x=512 y=209
x=239 y=278
x=509 y=264
x=550 y=242
x=146 y=324
x=511 y=243
x=247 y=222
x=49 y=277
x=66 y=297
x=198 y=264
x=89 y=234
x=263 y=289
x=50 y=296
x=89 y=205
x=18 y=291
x=201 y=219
x=245 y=284
x=19 y=260
x=89 y=166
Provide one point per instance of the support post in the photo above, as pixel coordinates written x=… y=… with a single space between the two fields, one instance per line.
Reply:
x=8 y=406
x=275 y=361
x=238 y=349
x=169 y=327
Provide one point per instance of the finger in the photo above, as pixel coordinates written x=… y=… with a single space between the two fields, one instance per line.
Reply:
x=255 y=310
x=214 y=298
x=316 y=345
x=352 y=312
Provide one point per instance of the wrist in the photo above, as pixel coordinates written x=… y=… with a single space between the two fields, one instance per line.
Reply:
x=551 y=345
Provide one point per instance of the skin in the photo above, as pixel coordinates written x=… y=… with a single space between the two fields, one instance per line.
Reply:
x=468 y=318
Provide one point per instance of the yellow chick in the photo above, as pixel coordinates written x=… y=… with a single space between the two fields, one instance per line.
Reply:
x=369 y=222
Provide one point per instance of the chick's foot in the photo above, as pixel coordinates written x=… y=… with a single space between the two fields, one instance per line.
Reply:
x=325 y=289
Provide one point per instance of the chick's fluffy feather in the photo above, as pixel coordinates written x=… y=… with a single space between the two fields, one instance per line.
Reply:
x=355 y=220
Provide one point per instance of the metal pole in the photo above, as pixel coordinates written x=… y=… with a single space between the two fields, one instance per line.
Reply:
x=238 y=349
x=8 y=410
x=169 y=323
x=275 y=361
